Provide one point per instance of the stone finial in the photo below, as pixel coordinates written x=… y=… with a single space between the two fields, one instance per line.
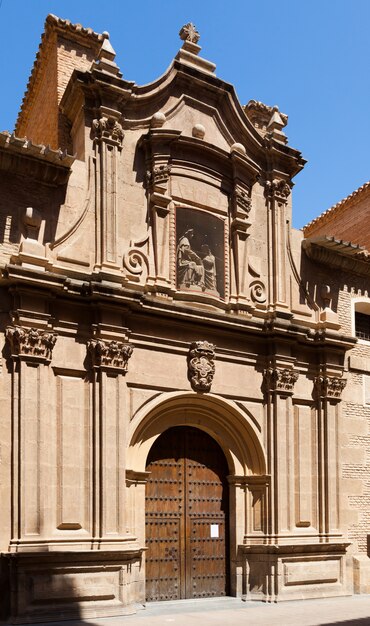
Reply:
x=105 y=61
x=189 y=33
x=275 y=126
x=189 y=52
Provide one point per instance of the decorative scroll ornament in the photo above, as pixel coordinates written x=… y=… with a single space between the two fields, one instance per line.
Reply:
x=258 y=292
x=278 y=189
x=110 y=354
x=189 y=33
x=31 y=344
x=330 y=387
x=280 y=380
x=201 y=367
x=108 y=128
x=135 y=260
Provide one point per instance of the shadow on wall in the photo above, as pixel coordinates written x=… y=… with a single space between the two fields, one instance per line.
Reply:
x=57 y=586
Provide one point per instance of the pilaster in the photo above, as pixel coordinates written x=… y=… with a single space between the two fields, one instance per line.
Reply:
x=279 y=387
x=328 y=390
x=277 y=193
x=109 y=362
x=30 y=352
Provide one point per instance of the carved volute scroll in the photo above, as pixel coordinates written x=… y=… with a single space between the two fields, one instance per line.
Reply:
x=110 y=355
x=31 y=344
x=201 y=366
x=329 y=387
x=280 y=380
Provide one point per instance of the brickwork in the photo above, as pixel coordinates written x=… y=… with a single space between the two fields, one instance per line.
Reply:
x=40 y=119
x=356 y=436
x=347 y=220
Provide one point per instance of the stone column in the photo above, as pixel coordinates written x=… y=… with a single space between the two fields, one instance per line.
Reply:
x=31 y=352
x=279 y=385
x=109 y=359
x=328 y=393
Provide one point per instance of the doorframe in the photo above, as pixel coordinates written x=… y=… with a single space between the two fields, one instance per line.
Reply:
x=238 y=436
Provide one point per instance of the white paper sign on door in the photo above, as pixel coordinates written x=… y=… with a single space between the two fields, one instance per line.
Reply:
x=214 y=531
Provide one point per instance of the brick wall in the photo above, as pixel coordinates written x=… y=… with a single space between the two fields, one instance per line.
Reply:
x=355 y=435
x=41 y=120
x=350 y=223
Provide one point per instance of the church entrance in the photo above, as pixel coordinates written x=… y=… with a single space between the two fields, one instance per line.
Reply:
x=187 y=514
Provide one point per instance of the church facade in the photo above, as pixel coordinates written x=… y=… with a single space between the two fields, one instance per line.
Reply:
x=184 y=381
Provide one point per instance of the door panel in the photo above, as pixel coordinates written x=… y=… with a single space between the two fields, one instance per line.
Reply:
x=186 y=517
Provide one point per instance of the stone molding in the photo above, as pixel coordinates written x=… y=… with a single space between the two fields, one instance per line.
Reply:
x=111 y=355
x=280 y=380
x=30 y=344
x=329 y=387
x=201 y=367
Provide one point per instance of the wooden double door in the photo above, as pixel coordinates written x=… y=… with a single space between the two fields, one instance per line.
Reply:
x=187 y=514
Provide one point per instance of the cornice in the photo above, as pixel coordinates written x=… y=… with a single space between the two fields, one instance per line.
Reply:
x=87 y=291
x=22 y=157
x=338 y=254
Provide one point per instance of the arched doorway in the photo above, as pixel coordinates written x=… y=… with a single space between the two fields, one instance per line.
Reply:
x=187 y=517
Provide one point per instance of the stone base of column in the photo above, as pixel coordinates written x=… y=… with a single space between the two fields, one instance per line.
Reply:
x=53 y=586
x=274 y=573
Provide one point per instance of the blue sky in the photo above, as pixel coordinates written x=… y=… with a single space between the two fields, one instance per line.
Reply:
x=309 y=57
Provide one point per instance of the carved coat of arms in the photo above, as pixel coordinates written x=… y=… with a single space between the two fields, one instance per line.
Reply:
x=201 y=367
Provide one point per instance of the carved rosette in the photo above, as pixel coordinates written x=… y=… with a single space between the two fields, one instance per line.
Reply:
x=201 y=367
x=278 y=190
x=108 y=128
x=329 y=387
x=279 y=380
x=31 y=344
x=111 y=355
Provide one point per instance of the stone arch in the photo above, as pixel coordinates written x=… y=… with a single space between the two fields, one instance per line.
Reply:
x=234 y=431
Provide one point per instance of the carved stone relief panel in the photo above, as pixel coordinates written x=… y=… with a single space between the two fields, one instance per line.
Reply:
x=200 y=252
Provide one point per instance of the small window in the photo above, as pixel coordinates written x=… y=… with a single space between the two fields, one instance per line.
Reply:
x=362 y=325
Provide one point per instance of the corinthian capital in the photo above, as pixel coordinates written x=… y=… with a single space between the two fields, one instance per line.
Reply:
x=32 y=344
x=108 y=128
x=113 y=355
x=280 y=380
x=330 y=387
x=277 y=190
